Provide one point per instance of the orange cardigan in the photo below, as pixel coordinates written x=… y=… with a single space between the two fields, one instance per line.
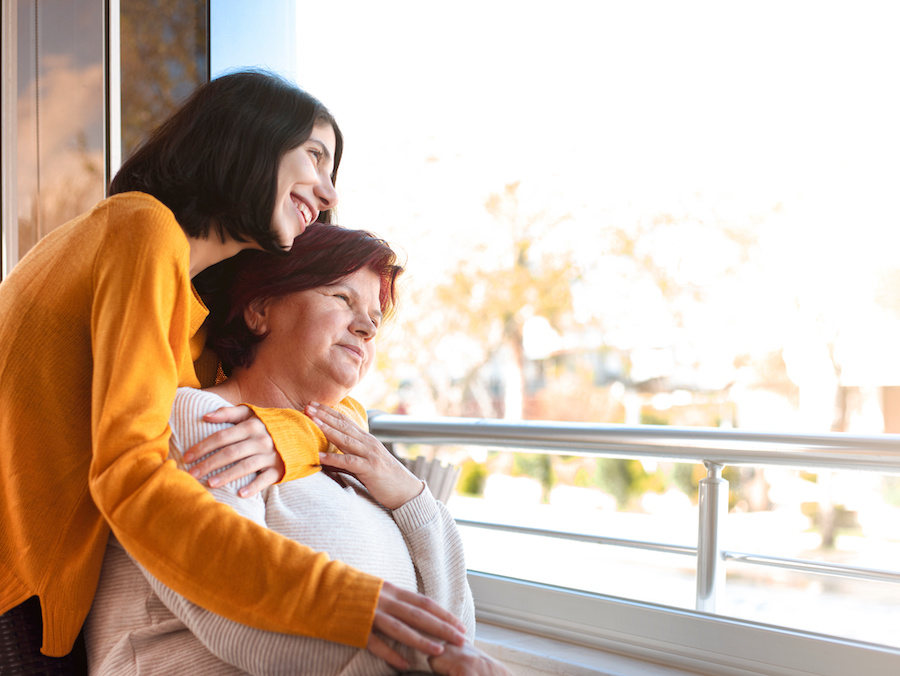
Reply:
x=99 y=324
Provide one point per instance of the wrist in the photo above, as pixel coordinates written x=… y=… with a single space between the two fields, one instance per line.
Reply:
x=411 y=490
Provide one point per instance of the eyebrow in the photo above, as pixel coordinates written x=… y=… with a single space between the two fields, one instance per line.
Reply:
x=322 y=147
x=377 y=314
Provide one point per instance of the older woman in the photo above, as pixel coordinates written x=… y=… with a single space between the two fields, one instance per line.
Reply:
x=300 y=334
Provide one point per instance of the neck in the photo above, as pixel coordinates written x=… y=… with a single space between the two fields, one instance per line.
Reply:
x=254 y=387
x=211 y=250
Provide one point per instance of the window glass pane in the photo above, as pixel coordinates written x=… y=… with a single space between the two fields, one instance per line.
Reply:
x=242 y=36
x=833 y=517
x=643 y=213
x=626 y=212
x=59 y=163
x=164 y=58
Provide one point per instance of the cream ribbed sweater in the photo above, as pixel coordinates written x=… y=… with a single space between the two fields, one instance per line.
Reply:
x=139 y=626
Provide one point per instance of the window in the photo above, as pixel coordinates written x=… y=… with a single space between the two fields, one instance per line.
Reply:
x=644 y=213
x=57 y=124
x=75 y=101
x=163 y=47
x=657 y=213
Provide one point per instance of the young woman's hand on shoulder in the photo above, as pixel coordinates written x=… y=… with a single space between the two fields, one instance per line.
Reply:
x=246 y=443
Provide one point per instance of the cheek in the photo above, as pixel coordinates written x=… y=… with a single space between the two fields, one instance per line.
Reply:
x=370 y=361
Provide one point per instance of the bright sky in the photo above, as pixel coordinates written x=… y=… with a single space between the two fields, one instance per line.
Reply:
x=783 y=113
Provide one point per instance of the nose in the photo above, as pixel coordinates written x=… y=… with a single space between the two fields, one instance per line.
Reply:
x=364 y=327
x=326 y=194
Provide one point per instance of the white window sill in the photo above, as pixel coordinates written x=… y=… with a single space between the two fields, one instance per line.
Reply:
x=529 y=655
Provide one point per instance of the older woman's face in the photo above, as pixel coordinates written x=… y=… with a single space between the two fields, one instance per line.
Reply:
x=322 y=340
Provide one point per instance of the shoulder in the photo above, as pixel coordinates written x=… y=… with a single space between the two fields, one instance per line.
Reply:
x=186 y=419
x=133 y=217
x=142 y=247
x=191 y=402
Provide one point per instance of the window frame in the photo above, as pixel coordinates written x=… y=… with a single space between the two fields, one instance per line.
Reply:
x=9 y=243
x=690 y=640
x=696 y=640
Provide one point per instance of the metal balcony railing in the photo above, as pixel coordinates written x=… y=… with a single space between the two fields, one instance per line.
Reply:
x=714 y=448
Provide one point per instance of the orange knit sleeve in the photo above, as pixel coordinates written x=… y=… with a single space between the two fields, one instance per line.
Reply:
x=298 y=440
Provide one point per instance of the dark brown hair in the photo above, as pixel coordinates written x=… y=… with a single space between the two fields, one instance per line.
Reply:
x=214 y=162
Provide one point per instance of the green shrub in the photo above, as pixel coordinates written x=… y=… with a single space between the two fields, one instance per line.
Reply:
x=472 y=476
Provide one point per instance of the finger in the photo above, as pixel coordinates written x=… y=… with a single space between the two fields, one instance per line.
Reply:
x=381 y=649
x=432 y=609
x=262 y=481
x=229 y=414
x=327 y=412
x=421 y=613
x=346 y=435
x=244 y=468
x=214 y=442
x=345 y=463
x=393 y=628
x=252 y=428
x=333 y=419
x=225 y=456
x=446 y=629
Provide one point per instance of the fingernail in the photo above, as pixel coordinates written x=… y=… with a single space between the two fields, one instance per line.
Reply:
x=213 y=483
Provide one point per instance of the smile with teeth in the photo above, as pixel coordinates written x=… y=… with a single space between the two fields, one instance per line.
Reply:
x=302 y=210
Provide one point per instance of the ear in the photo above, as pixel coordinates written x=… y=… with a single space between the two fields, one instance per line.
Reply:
x=255 y=316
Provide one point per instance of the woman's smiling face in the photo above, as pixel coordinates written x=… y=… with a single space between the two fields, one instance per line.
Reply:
x=320 y=342
x=304 y=184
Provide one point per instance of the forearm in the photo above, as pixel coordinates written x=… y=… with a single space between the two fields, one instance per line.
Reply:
x=437 y=553
x=260 y=578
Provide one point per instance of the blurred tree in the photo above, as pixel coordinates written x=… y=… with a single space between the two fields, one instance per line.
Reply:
x=163 y=60
x=622 y=478
x=537 y=466
x=490 y=304
x=677 y=267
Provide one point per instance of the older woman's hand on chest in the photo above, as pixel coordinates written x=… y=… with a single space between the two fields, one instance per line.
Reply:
x=366 y=458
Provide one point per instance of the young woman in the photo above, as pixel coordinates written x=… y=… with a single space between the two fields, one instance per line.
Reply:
x=100 y=323
x=300 y=329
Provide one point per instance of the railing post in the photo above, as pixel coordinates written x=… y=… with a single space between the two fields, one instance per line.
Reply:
x=710 y=565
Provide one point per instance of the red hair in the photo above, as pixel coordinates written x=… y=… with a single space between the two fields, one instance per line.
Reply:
x=322 y=255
